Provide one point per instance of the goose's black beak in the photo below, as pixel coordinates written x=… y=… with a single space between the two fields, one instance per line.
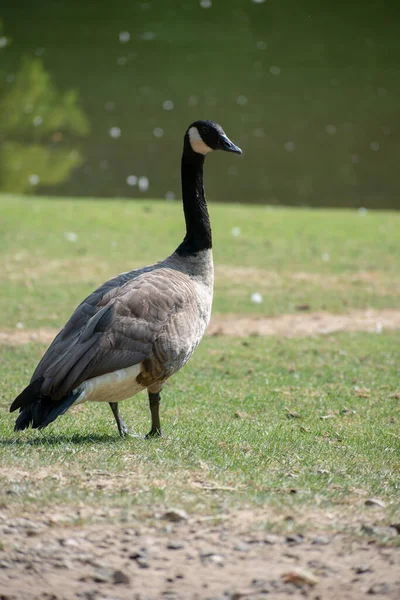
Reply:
x=224 y=143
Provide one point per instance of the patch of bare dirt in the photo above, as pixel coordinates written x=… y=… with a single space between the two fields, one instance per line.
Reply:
x=289 y=325
x=170 y=555
x=306 y=324
x=379 y=282
x=20 y=267
x=18 y=337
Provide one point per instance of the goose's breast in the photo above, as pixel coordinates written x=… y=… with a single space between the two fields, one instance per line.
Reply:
x=184 y=331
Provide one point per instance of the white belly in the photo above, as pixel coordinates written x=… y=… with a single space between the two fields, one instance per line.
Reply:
x=111 y=387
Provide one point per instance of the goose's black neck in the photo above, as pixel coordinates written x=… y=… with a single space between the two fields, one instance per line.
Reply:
x=198 y=228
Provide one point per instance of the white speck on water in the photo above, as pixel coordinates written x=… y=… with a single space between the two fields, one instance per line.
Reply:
x=148 y=36
x=274 y=70
x=362 y=211
x=381 y=91
x=290 y=146
x=236 y=231
x=256 y=297
x=258 y=1
x=124 y=37
x=38 y=120
x=71 y=236
x=143 y=183
x=325 y=257
x=170 y=195
x=122 y=60
x=168 y=105
x=115 y=132
x=28 y=108
x=259 y=132
x=205 y=3
x=19 y=325
x=379 y=327
x=110 y=106
x=355 y=159
x=193 y=101
x=3 y=41
x=158 y=132
x=267 y=381
x=39 y=51
x=261 y=45
x=131 y=180
x=330 y=129
x=386 y=130
x=34 y=179
x=104 y=164
x=241 y=100
x=374 y=146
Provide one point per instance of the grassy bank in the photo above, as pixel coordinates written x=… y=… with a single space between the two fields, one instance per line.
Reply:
x=54 y=252
x=250 y=420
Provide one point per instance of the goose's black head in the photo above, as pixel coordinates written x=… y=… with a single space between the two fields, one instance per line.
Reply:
x=205 y=136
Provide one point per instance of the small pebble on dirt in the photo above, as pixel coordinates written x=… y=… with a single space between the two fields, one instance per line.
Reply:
x=143 y=563
x=396 y=526
x=387 y=532
x=300 y=577
x=271 y=539
x=239 y=594
x=101 y=576
x=175 y=545
x=212 y=557
x=258 y=582
x=360 y=569
x=175 y=515
x=121 y=577
x=374 y=502
x=321 y=540
x=294 y=538
x=379 y=588
x=241 y=547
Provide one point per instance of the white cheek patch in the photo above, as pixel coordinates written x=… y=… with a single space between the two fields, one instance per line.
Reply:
x=197 y=143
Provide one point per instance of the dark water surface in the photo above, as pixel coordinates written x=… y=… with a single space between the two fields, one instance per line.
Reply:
x=309 y=90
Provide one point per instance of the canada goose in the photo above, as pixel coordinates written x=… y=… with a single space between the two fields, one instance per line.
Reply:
x=137 y=329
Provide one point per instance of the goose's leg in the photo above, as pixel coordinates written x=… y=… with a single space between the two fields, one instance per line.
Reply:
x=154 y=402
x=122 y=428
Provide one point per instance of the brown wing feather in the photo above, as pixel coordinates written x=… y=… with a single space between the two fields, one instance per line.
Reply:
x=114 y=328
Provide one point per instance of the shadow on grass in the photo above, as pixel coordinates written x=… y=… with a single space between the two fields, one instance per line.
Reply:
x=56 y=440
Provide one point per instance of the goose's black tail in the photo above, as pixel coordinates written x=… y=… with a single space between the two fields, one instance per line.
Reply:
x=36 y=410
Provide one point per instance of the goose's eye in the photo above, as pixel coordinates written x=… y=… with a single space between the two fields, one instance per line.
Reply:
x=203 y=130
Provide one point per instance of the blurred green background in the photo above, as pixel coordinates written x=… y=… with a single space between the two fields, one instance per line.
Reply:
x=95 y=97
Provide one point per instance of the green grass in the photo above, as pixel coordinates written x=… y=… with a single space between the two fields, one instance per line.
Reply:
x=261 y=417
x=287 y=422
x=331 y=260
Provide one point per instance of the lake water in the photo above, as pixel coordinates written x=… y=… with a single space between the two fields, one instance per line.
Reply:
x=310 y=91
